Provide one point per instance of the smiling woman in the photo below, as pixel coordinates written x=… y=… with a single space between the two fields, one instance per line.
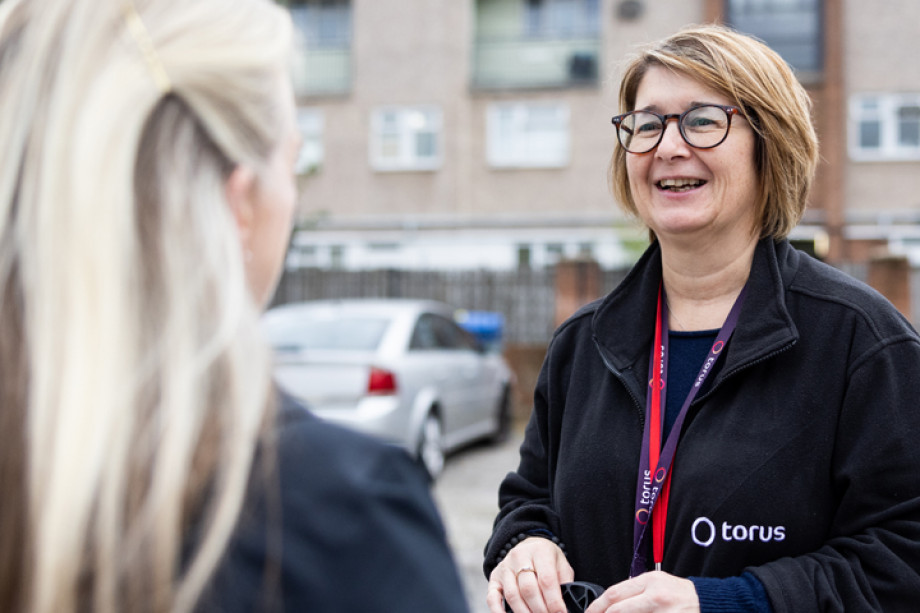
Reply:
x=730 y=428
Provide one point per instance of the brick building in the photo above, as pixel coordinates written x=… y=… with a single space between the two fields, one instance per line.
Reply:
x=474 y=132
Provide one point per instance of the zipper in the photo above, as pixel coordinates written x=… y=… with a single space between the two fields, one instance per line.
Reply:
x=639 y=409
x=696 y=401
x=718 y=383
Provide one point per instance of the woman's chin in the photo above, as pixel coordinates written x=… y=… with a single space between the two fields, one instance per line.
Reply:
x=680 y=229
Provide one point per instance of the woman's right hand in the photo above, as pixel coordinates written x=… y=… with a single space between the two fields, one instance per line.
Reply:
x=529 y=577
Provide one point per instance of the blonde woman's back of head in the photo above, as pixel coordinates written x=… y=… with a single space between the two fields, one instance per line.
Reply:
x=132 y=374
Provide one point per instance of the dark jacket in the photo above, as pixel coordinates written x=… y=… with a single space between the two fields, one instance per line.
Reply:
x=799 y=460
x=341 y=524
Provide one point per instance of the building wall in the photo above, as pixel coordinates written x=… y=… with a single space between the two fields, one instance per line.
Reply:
x=408 y=52
x=403 y=53
x=418 y=52
x=880 y=54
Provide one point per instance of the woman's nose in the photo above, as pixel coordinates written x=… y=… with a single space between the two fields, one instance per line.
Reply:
x=672 y=142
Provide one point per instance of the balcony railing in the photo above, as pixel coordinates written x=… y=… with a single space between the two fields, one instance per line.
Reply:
x=535 y=62
x=322 y=71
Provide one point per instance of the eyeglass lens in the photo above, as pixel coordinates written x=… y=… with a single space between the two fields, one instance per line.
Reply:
x=702 y=127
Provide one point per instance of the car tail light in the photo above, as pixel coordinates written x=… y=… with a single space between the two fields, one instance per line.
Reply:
x=381 y=382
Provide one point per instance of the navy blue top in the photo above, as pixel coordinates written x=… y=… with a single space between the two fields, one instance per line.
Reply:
x=686 y=352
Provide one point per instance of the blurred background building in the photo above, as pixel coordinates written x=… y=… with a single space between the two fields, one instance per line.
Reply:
x=458 y=134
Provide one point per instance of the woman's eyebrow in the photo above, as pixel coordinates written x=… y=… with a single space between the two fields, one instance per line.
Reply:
x=657 y=109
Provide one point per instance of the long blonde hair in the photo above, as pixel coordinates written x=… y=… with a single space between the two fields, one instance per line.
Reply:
x=134 y=380
x=756 y=79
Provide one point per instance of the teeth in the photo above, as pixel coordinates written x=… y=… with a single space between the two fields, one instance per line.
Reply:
x=677 y=183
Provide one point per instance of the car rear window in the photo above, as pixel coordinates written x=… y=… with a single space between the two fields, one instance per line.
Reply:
x=298 y=332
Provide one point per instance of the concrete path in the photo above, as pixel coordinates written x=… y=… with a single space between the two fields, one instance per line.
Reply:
x=467 y=494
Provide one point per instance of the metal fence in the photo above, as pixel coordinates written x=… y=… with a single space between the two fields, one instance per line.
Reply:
x=526 y=297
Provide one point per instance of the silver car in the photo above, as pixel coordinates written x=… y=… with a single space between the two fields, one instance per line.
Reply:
x=402 y=370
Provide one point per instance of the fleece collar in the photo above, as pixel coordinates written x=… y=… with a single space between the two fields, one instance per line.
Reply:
x=624 y=322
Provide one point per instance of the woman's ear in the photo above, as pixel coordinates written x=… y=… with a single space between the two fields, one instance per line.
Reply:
x=240 y=188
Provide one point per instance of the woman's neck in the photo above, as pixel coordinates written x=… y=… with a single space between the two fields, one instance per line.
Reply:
x=702 y=284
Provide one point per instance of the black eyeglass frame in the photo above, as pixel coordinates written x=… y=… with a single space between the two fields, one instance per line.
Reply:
x=730 y=111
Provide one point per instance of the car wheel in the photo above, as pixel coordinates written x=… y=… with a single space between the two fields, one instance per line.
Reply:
x=431 y=446
x=503 y=418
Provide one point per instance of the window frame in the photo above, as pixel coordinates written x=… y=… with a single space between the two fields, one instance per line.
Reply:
x=889 y=106
x=311 y=123
x=561 y=19
x=771 y=9
x=329 y=22
x=440 y=334
x=321 y=63
x=406 y=135
x=524 y=154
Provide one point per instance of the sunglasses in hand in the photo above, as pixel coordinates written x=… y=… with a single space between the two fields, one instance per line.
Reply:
x=577 y=595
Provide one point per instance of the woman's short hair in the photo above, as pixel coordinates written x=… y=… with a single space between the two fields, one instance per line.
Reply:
x=757 y=80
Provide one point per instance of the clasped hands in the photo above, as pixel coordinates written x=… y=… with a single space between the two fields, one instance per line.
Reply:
x=529 y=577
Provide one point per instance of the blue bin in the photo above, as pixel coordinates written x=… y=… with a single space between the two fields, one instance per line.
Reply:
x=487 y=326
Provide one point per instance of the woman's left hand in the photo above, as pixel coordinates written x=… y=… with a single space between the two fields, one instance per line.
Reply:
x=650 y=592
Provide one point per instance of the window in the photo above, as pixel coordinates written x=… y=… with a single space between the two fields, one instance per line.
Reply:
x=300 y=256
x=561 y=18
x=321 y=330
x=885 y=127
x=423 y=335
x=322 y=23
x=310 y=157
x=528 y=135
x=792 y=28
x=322 y=45
x=909 y=126
x=436 y=332
x=337 y=257
x=523 y=256
x=536 y=43
x=407 y=138
x=554 y=253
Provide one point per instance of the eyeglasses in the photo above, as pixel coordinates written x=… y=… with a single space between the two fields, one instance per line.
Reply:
x=704 y=127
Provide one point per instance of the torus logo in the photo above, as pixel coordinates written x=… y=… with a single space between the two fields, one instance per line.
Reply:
x=704 y=533
x=642 y=516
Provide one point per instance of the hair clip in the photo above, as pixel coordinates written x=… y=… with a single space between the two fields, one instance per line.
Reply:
x=142 y=37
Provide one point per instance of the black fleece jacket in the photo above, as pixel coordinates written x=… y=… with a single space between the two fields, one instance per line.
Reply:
x=335 y=522
x=799 y=460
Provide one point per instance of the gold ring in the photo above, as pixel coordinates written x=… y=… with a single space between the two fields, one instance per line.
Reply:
x=526 y=569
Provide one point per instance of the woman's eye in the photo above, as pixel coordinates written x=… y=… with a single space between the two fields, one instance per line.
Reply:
x=700 y=122
x=647 y=127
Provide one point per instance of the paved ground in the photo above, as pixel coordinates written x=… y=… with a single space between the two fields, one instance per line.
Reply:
x=467 y=494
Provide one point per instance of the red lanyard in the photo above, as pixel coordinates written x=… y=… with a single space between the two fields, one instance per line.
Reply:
x=655 y=417
x=653 y=488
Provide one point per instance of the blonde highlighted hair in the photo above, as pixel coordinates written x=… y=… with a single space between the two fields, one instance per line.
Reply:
x=758 y=81
x=134 y=380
